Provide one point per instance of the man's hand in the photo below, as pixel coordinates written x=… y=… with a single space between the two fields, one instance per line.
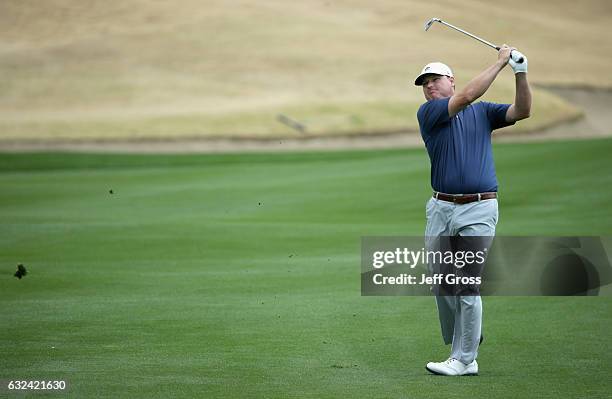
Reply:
x=503 y=56
x=516 y=67
x=521 y=108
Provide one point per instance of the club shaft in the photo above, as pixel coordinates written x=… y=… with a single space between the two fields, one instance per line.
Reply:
x=469 y=34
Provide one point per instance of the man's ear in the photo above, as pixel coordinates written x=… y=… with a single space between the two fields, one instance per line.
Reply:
x=452 y=80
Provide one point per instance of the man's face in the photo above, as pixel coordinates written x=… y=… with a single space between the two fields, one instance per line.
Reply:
x=438 y=86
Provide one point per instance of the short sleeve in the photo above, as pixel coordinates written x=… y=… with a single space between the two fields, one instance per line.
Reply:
x=433 y=113
x=497 y=114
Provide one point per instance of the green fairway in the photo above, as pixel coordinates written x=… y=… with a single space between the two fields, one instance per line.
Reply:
x=238 y=276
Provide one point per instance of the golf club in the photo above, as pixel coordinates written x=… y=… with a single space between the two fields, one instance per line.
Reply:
x=516 y=56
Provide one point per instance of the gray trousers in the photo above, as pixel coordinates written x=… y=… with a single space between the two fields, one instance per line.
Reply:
x=460 y=316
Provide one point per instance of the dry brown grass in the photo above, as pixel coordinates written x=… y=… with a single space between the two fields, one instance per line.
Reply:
x=92 y=69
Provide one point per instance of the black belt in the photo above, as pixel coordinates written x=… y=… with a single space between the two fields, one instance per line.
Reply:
x=464 y=198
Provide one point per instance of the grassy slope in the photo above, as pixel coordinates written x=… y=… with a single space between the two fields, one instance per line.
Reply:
x=87 y=69
x=237 y=276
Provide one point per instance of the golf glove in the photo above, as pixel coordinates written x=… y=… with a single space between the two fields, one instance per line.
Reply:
x=516 y=67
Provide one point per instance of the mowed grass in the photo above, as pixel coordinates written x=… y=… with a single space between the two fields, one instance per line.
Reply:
x=238 y=276
x=84 y=70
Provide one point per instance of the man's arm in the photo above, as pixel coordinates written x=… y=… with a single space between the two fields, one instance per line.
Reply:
x=479 y=85
x=521 y=108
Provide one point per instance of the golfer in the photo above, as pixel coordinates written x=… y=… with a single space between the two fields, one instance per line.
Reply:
x=457 y=134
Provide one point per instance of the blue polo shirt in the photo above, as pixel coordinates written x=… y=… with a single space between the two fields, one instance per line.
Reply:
x=459 y=148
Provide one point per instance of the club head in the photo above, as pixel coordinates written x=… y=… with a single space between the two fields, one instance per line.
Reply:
x=430 y=22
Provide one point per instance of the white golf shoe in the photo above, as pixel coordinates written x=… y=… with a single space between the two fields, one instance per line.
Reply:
x=452 y=367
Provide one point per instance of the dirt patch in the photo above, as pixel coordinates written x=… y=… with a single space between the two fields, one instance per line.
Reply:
x=595 y=123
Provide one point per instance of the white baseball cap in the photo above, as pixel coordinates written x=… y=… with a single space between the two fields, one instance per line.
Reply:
x=436 y=68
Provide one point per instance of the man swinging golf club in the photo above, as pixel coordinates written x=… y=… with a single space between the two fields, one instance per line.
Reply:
x=457 y=134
